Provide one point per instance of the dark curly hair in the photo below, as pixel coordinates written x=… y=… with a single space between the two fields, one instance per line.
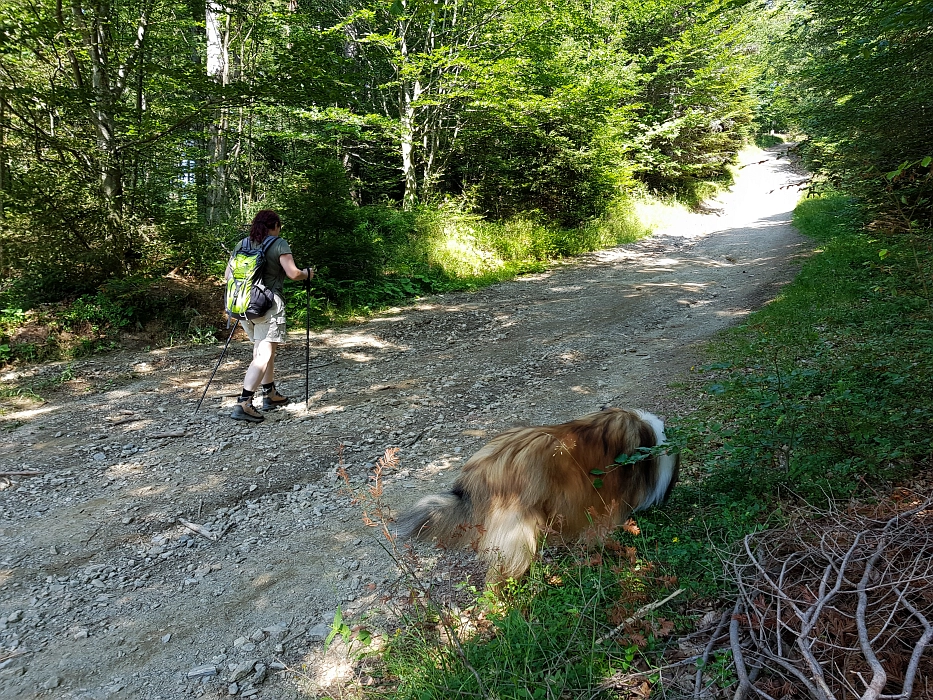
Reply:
x=263 y=222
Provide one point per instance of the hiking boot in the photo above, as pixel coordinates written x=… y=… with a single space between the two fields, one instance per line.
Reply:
x=244 y=410
x=273 y=399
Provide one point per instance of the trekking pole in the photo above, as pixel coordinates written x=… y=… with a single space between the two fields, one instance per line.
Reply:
x=220 y=359
x=307 y=338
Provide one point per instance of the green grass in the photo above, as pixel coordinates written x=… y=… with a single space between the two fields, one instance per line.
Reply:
x=768 y=140
x=547 y=637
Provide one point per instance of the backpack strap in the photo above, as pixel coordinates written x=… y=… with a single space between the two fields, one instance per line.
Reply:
x=267 y=243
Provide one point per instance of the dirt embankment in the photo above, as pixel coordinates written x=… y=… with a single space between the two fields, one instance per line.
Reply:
x=106 y=593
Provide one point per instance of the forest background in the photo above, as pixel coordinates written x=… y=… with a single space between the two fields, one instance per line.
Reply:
x=411 y=146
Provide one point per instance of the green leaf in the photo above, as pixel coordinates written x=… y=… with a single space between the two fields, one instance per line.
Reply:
x=597 y=472
x=926 y=161
x=597 y=483
x=336 y=628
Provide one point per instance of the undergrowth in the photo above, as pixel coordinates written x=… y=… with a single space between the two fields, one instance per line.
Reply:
x=395 y=256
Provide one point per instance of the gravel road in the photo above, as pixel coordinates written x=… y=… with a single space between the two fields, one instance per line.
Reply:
x=147 y=552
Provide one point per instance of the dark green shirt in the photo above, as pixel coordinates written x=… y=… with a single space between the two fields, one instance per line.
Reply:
x=274 y=275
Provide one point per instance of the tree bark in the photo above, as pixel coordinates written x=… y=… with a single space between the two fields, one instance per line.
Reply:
x=217 y=24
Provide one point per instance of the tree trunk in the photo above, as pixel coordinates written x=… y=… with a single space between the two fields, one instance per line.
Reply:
x=409 y=92
x=107 y=87
x=408 y=140
x=217 y=23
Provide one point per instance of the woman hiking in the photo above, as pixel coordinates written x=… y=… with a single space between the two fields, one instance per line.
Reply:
x=267 y=332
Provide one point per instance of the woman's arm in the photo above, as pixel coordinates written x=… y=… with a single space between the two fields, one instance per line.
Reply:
x=287 y=262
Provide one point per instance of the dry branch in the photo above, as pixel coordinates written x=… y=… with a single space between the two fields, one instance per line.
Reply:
x=837 y=607
x=638 y=614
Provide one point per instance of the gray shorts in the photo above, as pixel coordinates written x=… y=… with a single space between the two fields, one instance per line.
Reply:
x=270 y=327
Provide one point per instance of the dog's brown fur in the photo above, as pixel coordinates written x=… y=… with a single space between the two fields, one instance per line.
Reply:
x=528 y=481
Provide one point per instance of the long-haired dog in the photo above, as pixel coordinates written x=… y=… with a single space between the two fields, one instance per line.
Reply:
x=565 y=479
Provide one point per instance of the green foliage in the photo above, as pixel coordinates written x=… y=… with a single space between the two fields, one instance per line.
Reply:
x=440 y=249
x=857 y=80
x=536 y=120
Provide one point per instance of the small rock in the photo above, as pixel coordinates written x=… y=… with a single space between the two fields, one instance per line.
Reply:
x=205 y=671
x=239 y=642
x=81 y=633
x=277 y=631
x=167 y=638
x=260 y=674
x=99 y=457
x=258 y=636
x=319 y=632
x=52 y=682
x=15 y=616
x=7 y=673
x=242 y=670
x=233 y=689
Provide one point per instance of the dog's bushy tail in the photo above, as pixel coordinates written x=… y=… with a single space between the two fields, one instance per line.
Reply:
x=446 y=517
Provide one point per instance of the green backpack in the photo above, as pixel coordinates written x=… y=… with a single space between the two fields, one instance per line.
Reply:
x=247 y=297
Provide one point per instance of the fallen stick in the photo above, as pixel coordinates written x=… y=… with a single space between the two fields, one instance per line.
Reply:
x=13 y=655
x=698 y=683
x=20 y=473
x=199 y=529
x=167 y=434
x=640 y=613
x=617 y=679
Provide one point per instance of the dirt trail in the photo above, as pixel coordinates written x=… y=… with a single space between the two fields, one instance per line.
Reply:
x=105 y=594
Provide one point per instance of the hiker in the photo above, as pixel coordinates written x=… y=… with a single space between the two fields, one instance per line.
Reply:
x=268 y=331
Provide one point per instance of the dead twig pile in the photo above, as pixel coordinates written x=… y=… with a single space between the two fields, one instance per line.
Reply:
x=839 y=607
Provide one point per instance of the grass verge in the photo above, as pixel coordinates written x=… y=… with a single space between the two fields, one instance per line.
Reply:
x=825 y=394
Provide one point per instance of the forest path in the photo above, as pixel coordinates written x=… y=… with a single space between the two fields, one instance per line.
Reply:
x=104 y=593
